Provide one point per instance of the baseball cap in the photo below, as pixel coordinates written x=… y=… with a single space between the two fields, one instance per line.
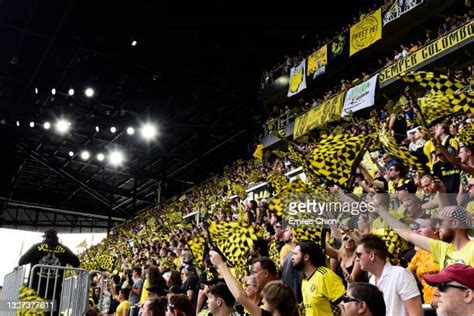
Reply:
x=50 y=233
x=457 y=272
x=457 y=212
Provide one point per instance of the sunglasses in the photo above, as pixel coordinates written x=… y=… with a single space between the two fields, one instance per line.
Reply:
x=347 y=299
x=443 y=287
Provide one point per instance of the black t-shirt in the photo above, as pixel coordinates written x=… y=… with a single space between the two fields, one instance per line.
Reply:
x=53 y=255
x=448 y=174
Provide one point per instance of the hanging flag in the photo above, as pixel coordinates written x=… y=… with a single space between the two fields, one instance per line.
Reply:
x=339 y=47
x=360 y=97
x=366 y=32
x=297 y=79
x=337 y=156
x=398 y=8
x=317 y=235
x=317 y=62
x=390 y=145
x=258 y=153
x=436 y=83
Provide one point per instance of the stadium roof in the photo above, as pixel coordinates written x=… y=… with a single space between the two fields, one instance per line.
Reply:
x=194 y=71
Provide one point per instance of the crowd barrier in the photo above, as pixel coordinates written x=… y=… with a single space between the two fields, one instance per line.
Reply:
x=10 y=291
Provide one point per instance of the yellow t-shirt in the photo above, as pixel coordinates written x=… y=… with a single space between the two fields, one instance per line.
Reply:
x=445 y=254
x=422 y=263
x=123 y=306
x=144 y=292
x=428 y=149
x=321 y=291
x=285 y=250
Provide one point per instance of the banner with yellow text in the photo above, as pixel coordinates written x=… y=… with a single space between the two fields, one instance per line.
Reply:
x=297 y=79
x=366 y=32
x=317 y=62
x=462 y=34
x=325 y=112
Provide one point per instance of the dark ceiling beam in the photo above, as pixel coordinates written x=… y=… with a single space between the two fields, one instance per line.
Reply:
x=85 y=187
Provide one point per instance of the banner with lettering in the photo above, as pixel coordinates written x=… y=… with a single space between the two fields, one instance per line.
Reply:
x=398 y=8
x=366 y=32
x=461 y=35
x=317 y=62
x=297 y=79
x=324 y=113
x=360 y=97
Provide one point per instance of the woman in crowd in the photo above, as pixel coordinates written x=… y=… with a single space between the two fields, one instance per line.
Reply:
x=179 y=305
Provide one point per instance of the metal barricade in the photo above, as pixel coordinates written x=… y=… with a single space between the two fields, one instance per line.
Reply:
x=68 y=285
x=11 y=290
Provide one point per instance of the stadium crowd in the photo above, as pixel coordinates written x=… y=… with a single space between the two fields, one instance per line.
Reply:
x=215 y=251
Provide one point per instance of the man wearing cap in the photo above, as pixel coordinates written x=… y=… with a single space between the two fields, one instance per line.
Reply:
x=454 y=246
x=455 y=290
x=49 y=252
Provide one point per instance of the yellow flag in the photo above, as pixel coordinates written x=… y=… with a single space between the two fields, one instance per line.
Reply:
x=258 y=153
x=366 y=32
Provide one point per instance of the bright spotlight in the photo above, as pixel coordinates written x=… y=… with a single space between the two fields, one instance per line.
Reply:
x=134 y=43
x=116 y=158
x=71 y=92
x=53 y=91
x=89 y=92
x=148 y=131
x=32 y=124
x=62 y=126
x=71 y=153
x=113 y=129
x=100 y=157
x=130 y=131
x=36 y=90
x=17 y=123
x=47 y=125
x=97 y=129
x=85 y=155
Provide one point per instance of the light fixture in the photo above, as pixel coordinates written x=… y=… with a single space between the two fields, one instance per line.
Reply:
x=17 y=123
x=113 y=129
x=100 y=157
x=89 y=92
x=71 y=153
x=36 y=90
x=97 y=129
x=62 y=126
x=32 y=124
x=116 y=158
x=71 y=92
x=148 y=131
x=134 y=43
x=53 y=91
x=85 y=155
x=47 y=125
x=130 y=131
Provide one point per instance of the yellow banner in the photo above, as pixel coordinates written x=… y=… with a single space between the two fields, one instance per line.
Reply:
x=324 y=113
x=317 y=60
x=366 y=32
x=451 y=39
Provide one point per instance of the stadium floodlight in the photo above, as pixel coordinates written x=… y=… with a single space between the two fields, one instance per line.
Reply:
x=17 y=123
x=53 y=91
x=71 y=153
x=62 y=126
x=100 y=157
x=130 y=131
x=97 y=129
x=113 y=129
x=32 y=124
x=134 y=43
x=116 y=158
x=85 y=155
x=89 y=92
x=47 y=125
x=71 y=92
x=148 y=131
x=36 y=90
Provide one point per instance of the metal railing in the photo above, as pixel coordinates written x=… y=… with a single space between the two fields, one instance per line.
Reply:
x=11 y=290
x=68 y=285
